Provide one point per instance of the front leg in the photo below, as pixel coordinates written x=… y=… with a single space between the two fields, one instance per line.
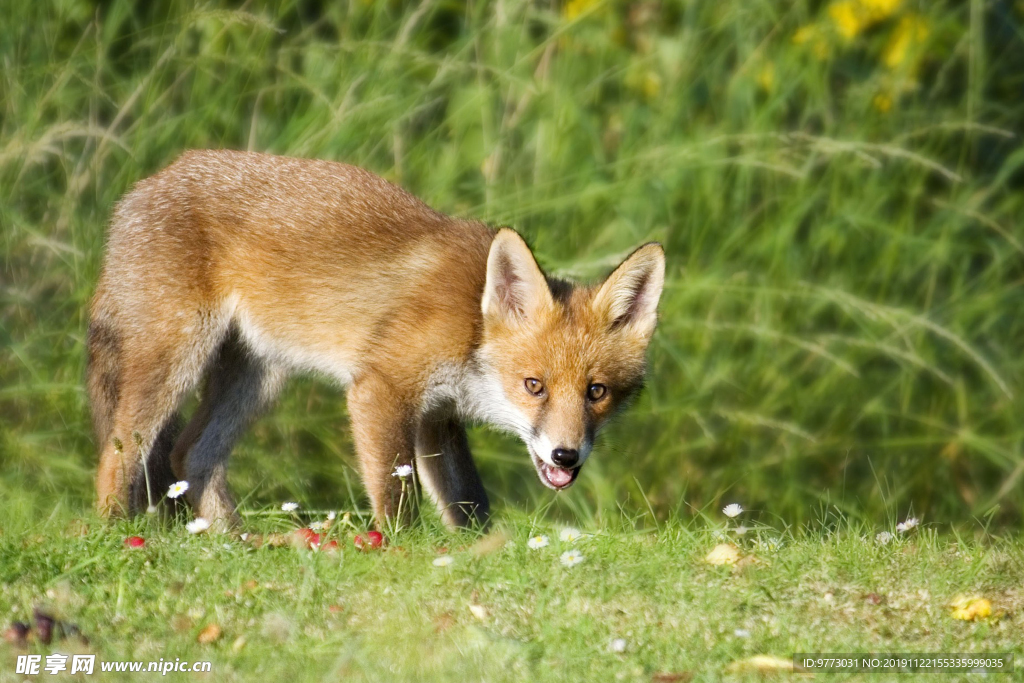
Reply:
x=446 y=469
x=383 y=427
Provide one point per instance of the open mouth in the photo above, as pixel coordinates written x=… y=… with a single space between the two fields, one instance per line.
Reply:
x=556 y=478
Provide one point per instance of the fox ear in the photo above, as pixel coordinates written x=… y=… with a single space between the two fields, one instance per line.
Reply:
x=629 y=297
x=515 y=287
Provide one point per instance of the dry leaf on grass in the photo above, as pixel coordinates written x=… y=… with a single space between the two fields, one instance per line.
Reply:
x=672 y=677
x=490 y=543
x=723 y=553
x=761 y=664
x=479 y=611
x=971 y=608
x=210 y=634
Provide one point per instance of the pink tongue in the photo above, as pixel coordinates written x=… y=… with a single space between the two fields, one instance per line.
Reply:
x=559 y=476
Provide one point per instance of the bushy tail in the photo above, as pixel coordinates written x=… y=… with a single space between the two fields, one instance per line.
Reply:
x=104 y=385
x=103 y=377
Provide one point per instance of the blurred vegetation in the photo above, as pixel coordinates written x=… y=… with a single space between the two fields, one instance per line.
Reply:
x=837 y=184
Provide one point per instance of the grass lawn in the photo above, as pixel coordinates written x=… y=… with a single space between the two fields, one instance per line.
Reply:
x=502 y=612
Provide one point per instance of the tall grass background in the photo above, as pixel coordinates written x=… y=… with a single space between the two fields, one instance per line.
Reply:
x=837 y=186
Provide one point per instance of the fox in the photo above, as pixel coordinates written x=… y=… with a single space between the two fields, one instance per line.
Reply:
x=227 y=272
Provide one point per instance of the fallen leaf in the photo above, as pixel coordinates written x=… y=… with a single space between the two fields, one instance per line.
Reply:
x=672 y=677
x=443 y=622
x=971 y=608
x=479 y=611
x=44 y=625
x=760 y=664
x=17 y=634
x=490 y=543
x=210 y=634
x=274 y=540
x=181 y=623
x=723 y=553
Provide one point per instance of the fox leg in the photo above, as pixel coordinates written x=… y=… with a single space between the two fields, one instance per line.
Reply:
x=238 y=388
x=446 y=469
x=384 y=432
x=155 y=373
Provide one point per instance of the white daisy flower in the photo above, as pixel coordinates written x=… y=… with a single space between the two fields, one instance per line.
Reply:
x=402 y=471
x=740 y=530
x=570 y=535
x=177 y=489
x=908 y=525
x=571 y=558
x=289 y=507
x=732 y=510
x=537 y=542
x=197 y=525
x=443 y=561
x=316 y=526
x=884 y=537
x=617 y=645
x=331 y=515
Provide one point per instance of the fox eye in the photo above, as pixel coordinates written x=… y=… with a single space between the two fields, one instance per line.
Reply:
x=534 y=386
x=595 y=392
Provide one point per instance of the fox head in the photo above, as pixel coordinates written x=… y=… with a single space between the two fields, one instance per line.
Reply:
x=563 y=358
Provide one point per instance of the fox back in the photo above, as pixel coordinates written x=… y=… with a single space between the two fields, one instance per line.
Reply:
x=233 y=270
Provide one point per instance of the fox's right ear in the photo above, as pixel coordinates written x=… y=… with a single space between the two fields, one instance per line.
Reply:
x=516 y=288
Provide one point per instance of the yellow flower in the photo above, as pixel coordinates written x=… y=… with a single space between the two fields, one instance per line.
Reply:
x=882 y=102
x=812 y=34
x=851 y=17
x=877 y=10
x=804 y=34
x=909 y=33
x=971 y=608
x=766 y=77
x=575 y=8
x=847 y=18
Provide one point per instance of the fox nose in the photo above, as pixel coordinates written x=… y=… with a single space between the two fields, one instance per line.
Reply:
x=565 y=457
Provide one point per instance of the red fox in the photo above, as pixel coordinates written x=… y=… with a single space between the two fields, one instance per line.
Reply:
x=242 y=268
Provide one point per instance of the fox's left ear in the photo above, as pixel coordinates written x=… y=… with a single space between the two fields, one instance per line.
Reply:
x=629 y=297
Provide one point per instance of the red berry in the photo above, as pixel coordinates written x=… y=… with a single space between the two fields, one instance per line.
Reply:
x=134 y=542
x=372 y=541
x=309 y=537
x=330 y=546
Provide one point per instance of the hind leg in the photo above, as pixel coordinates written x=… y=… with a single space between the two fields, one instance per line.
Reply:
x=239 y=387
x=158 y=468
x=158 y=367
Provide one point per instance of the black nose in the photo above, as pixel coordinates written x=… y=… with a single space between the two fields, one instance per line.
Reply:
x=565 y=457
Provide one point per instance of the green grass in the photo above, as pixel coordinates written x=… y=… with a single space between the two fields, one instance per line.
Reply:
x=839 y=345
x=306 y=616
